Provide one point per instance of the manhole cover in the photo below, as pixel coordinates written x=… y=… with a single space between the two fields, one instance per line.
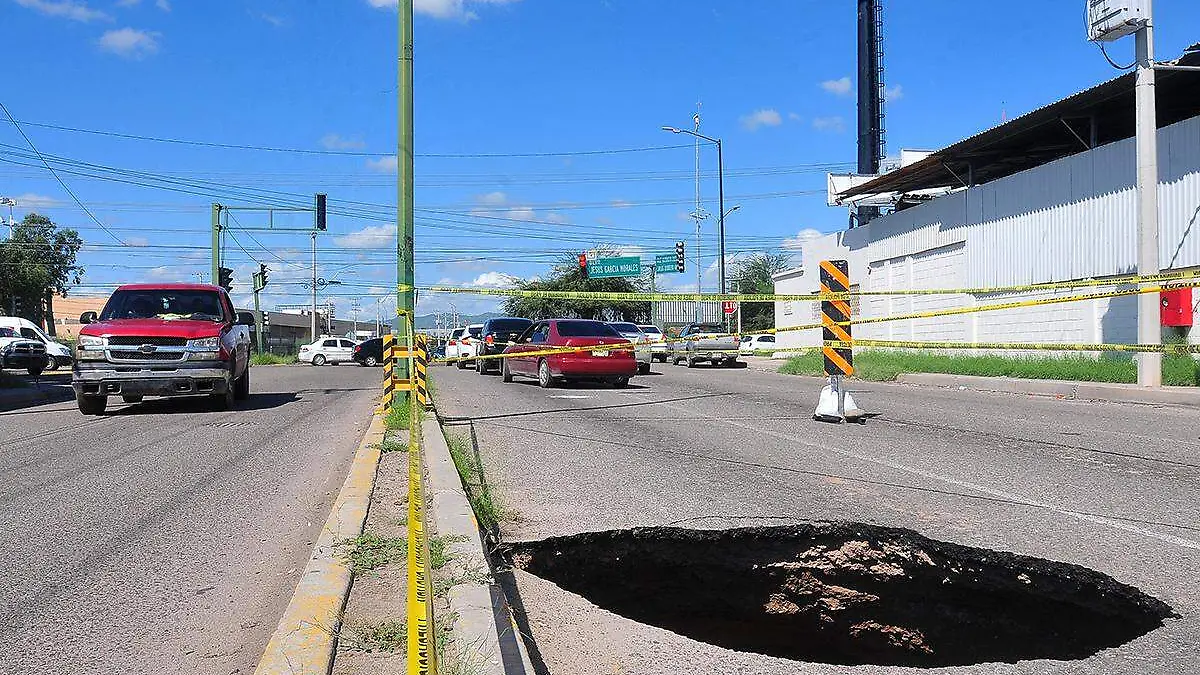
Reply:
x=847 y=593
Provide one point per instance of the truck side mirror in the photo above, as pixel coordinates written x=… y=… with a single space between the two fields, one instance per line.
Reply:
x=245 y=318
x=87 y=317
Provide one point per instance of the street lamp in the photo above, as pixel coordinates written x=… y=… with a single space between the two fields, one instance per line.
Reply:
x=720 y=197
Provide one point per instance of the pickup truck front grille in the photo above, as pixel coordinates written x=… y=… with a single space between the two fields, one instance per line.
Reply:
x=125 y=355
x=28 y=348
x=134 y=341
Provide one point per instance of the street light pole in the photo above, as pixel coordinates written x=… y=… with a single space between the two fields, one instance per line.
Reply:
x=720 y=200
x=313 y=319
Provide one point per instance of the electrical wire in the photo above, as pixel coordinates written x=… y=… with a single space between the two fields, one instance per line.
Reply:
x=1112 y=63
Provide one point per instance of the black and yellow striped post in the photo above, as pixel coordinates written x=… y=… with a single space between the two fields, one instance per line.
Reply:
x=422 y=366
x=389 y=368
x=835 y=326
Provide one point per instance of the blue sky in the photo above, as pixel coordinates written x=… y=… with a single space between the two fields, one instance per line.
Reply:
x=501 y=78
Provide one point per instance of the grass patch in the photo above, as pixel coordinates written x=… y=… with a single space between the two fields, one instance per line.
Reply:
x=393 y=445
x=437 y=550
x=369 y=551
x=885 y=365
x=268 y=359
x=366 y=636
x=443 y=584
x=397 y=417
x=482 y=500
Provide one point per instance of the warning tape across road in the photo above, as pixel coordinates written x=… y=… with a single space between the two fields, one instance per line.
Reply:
x=1015 y=346
x=1165 y=277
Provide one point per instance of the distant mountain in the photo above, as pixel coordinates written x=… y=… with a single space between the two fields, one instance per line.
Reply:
x=427 y=321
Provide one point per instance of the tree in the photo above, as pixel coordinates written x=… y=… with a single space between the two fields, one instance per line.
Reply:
x=567 y=276
x=752 y=275
x=38 y=261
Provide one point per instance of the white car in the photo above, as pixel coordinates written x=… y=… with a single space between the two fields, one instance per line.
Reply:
x=327 y=350
x=57 y=355
x=658 y=342
x=462 y=343
x=641 y=341
x=752 y=344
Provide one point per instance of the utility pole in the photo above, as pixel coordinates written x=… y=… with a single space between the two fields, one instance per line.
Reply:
x=698 y=214
x=405 y=296
x=216 y=244
x=1149 y=331
x=10 y=203
x=313 y=321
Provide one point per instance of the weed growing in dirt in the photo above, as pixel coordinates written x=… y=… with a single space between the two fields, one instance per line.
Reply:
x=483 y=501
x=393 y=444
x=443 y=584
x=268 y=359
x=366 y=636
x=437 y=550
x=369 y=551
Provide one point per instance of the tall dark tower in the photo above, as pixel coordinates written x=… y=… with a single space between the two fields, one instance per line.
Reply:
x=870 y=95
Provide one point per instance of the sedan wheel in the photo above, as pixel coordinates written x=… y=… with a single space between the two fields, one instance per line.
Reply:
x=371 y=361
x=620 y=382
x=319 y=360
x=545 y=380
x=505 y=373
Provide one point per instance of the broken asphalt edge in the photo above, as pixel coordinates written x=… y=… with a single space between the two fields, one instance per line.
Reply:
x=485 y=632
x=1089 y=391
x=306 y=637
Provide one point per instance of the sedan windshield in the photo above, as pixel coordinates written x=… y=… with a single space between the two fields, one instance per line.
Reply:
x=583 y=328
x=508 y=325
x=163 y=304
x=651 y=330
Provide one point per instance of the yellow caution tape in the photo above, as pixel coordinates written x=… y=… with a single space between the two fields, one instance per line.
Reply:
x=422 y=657
x=1017 y=346
x=772 y=297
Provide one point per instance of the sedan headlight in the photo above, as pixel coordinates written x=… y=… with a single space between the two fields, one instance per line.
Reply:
x=208 y=344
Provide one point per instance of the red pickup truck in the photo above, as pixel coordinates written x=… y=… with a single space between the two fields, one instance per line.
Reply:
x=163 y=340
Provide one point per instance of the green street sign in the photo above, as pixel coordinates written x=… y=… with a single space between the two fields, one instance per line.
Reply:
x=607 y=268
x=665 y=264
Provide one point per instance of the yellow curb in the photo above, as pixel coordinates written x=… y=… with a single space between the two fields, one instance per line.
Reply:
x=304 y=640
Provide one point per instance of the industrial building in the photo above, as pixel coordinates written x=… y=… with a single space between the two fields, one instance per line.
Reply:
x=1046 y=197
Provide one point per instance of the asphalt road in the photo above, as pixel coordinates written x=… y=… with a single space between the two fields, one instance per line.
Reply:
x=1115 y=488
x=163 y=537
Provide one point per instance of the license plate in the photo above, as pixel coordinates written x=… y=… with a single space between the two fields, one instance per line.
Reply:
x=600 y=353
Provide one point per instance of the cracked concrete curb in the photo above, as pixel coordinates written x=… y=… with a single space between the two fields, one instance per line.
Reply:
x=485 y=632
x=1091 y=391
x=306 y=637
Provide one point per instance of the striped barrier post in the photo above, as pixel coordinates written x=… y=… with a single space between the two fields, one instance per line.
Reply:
x=389 y=368
x=422 y=366
x=835 y=315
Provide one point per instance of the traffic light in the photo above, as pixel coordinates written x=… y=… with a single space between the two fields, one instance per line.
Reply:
x=225 y=278
x=680 y=257
x=321 y=211
x=260 y=279
x=583 y=263
x=266 y=320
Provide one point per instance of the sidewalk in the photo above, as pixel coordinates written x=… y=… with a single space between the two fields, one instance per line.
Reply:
x=1092 y=391
x=53 y=388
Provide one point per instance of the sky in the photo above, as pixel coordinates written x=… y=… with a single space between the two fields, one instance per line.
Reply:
x=538 y=126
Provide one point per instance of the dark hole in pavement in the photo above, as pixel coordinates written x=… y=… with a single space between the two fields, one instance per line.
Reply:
x=846 y=593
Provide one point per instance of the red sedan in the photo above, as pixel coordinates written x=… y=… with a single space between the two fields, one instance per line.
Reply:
x=611 y=361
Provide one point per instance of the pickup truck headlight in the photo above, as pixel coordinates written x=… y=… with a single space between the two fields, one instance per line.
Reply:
x=89 y=348
x=208 y=344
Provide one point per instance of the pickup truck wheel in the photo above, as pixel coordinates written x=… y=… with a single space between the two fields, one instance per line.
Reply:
x=505 y=374
x=51 y=364
x=319 y=360
x=131 y=398
x=241 y=386
x=222 y=402
x=91 y=405
x=545 y=379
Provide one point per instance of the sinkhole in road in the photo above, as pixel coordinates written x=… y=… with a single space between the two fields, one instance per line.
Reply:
x=846 y=593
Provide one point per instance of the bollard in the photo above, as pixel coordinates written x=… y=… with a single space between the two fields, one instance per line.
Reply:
x=422 y=367
x=389 y=366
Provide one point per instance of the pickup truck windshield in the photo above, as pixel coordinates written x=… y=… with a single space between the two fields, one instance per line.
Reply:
x=582 y=328
x=163 y=304
x=706 y=328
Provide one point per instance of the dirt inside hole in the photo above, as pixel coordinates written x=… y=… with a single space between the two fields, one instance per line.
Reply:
x=846 y=593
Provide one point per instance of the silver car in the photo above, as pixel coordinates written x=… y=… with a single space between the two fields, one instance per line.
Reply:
x=642 y=343
x=658 y=342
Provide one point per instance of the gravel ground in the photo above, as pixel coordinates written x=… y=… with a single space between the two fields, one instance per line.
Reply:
x=1110 y=487
x=165 y=538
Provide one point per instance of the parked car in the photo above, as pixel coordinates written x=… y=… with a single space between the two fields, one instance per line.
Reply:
x=461 y=343
x=659 y=349
x=21 y=353
x=163 y=340
x=327 y=350
x=641 y=341
x=368 y=353
x=611 y=361
x=57 y=355
x=494 y=336
x=752 y=344
x=710 y=342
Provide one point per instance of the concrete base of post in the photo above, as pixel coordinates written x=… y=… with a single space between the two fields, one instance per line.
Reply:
x=836 y=405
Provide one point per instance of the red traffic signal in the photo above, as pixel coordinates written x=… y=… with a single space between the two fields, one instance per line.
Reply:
x=583 y=261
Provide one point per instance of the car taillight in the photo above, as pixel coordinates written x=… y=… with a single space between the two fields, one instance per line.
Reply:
x=357 y=348
x=491 y=339
x=453 y=343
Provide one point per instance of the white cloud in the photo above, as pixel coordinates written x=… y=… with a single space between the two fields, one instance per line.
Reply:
x=128 y=3
x=130 y=43
x=276 y=21
x=371 y=236
x=838 y=87
x=794 y=117
x=32 y=201
x=621 y=204
x=893 y=93
x=496 y=198
x=137 y=241
x=766 y=117
x=521 y=213
x=556 y=218
x=494 y=280
x=164 y=5
x=442 y=9
x=383 y=164
x=67 y=9
x=337 y=142
x=796 y=243
x=835 y=124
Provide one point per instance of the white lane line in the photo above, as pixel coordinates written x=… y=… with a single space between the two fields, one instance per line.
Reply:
x=575 y=396
x=1098 y=520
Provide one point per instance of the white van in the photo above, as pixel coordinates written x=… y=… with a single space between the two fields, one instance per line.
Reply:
x=57 y=355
